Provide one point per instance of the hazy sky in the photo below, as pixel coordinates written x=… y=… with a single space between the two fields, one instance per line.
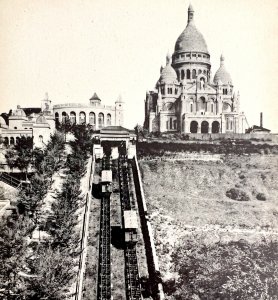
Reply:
x=73 y=48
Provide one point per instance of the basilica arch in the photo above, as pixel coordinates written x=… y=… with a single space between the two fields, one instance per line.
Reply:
x=194 y=127
x=204 y=127
x=215 y=127
x=73 y=117
x=82 y=117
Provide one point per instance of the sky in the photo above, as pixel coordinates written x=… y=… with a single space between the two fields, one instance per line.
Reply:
x=72 y=49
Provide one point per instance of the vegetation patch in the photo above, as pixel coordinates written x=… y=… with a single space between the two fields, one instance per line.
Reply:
x=237 y=194
x=224 y=270
x=44 y=269
x=261 y=196
x=238 y=147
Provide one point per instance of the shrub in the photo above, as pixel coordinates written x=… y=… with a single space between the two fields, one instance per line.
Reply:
x=233 y=270
x=267 y=151
x=237 y=194
x=261 y=197
x=241 y=176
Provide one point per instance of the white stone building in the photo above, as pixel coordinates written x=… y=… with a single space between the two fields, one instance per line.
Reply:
x=93 y=113
x=37 y=123
x=186 y=99
x=40 y=122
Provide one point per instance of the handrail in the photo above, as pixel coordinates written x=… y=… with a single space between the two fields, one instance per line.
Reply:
x=12 y=181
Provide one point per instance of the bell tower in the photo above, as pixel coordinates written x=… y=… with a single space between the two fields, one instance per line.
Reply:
x=119 y=111
x=46 y=105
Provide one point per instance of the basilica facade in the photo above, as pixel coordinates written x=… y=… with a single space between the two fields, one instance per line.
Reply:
x=186 y=99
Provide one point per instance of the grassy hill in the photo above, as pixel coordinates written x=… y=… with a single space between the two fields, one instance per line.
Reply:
x=194 y=192
x=204 y=234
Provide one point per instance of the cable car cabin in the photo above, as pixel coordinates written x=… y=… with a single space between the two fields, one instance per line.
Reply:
x=106 y=181
x=114 y=153
x=98 y=151
x=131 y=226
x=131 y=151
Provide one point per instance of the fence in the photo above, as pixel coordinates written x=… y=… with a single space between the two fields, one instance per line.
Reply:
x=152 y=260
x=84 y=234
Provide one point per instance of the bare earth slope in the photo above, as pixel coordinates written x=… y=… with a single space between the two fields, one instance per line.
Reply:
x=186 y=198
x=194 y=192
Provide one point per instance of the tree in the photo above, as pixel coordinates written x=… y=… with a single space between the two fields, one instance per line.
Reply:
x=13 y=249
x=83 y=135
x=51 y=271
x=20 y=156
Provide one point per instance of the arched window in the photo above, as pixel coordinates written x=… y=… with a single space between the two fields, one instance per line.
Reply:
x=182 y=74
x=202 y=83
x=187 y=74
x=100 y=120
x=108 y=120
x=193 y=74
x=40 y=138
x=231 y=124
x=212 y=107
x=82 y=118
x=175 y=124
x=73 y=117
x=171 y=124
x=6 y=140
x=200 y=72
x=183 y=123
x=215 y=127
x=178 y=74
x=92 y=118
x=17 y=139
x=204 y=127
x=191 y=107
x=56 y=117
x=64 y=116
x=203 y=104
x=193 y=127
x=11 y=141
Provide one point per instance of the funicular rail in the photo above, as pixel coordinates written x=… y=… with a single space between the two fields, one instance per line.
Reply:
x=104 y=262
x=133 y=289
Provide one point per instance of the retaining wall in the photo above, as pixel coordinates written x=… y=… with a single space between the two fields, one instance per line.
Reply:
x=84 y=234
x=152 y=260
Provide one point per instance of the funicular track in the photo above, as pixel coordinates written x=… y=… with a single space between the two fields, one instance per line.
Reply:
x=104 y=262
x=133 y=289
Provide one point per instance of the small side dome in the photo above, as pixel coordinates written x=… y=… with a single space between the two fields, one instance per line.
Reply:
x=222 y=75
x=168 y=74
x=41 y=120
x=18 y=112
x=2 y=122
x=119 y=99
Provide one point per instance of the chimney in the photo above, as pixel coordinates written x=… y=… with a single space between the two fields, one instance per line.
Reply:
x=261 y=119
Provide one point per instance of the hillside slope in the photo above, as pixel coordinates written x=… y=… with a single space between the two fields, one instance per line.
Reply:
x=194 y=192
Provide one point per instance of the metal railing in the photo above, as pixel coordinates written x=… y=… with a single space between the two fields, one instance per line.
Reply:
x=10 y=180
